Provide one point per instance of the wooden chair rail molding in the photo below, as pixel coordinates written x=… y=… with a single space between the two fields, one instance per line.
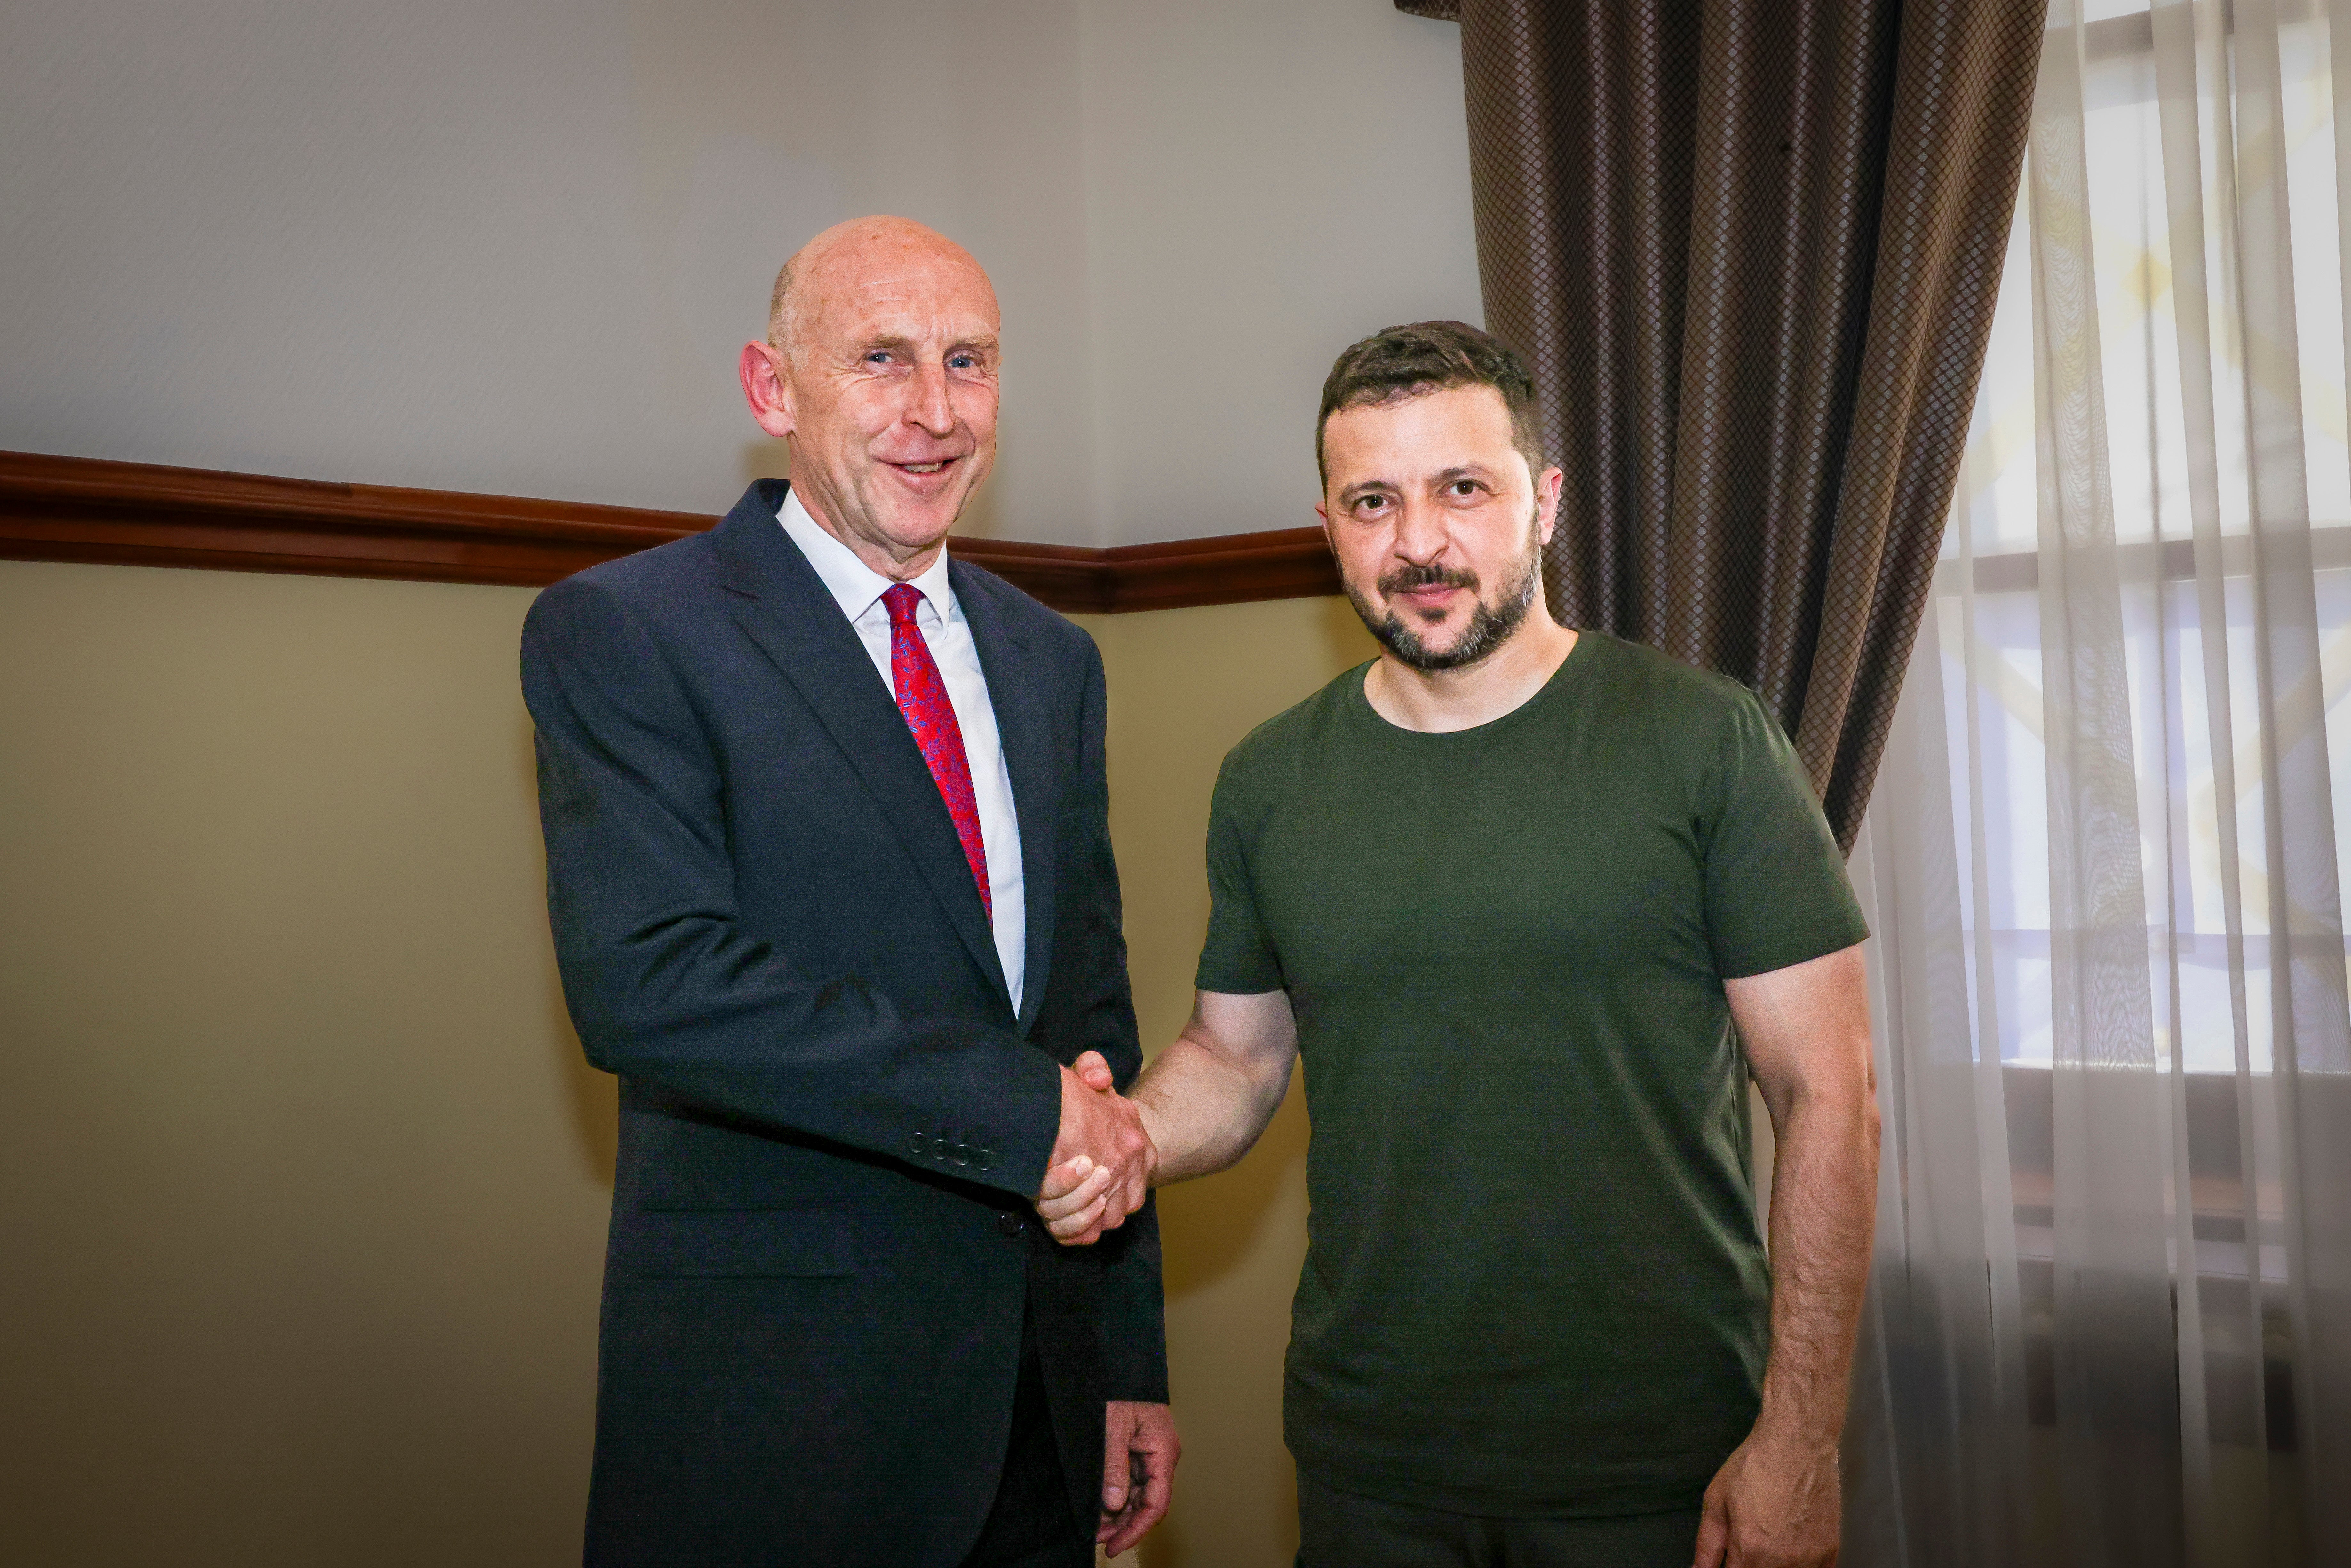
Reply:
x=134 y=514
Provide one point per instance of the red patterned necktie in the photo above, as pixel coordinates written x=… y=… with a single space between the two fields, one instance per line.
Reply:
x=922 y=698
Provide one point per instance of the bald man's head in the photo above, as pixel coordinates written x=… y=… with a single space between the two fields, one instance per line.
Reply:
x=879 y=368
x=851 y=252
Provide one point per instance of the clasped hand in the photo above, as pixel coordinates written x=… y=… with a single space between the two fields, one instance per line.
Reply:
x=1103 y=1161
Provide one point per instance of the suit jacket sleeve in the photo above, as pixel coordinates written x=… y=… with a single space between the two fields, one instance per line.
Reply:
x=662 y=983
x=1130 y=1306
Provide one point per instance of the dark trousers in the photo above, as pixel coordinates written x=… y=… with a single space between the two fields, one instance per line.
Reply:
x=1032 y=1523
x=1340 y=1529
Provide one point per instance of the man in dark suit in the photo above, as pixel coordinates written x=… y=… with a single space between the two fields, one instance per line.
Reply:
x=829 y=874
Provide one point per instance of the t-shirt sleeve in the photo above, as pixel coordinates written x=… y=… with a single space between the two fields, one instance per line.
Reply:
x=1238 y=957
x=1776 y=889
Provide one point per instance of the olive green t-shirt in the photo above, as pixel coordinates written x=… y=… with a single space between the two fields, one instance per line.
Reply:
x=1533 y=1284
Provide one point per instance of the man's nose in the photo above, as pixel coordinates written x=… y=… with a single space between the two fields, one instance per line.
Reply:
x=1420 y=533
x=927 y=404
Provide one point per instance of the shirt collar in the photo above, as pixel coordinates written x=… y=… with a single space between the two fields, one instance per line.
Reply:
x=855 y=586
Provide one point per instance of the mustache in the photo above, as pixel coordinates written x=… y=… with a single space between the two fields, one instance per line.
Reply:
x=1406 y=577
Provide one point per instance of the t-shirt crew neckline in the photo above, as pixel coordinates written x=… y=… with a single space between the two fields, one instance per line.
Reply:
x=1568 y=674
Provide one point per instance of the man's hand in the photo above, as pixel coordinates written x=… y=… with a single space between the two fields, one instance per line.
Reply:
x=1775 y=1503
x=1139 y=1453
x=1103 y=1161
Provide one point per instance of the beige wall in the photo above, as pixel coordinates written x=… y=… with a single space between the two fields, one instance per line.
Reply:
x=1184 y=685
x=302 y=1183
x=513 y=246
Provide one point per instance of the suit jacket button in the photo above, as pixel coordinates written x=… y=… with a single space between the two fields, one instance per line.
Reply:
x=987 y=1157
x=914 y=1145
x=963 y=1153
x=1008 y=1223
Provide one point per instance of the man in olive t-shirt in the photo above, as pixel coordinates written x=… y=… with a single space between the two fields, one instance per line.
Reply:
x=1507 y=890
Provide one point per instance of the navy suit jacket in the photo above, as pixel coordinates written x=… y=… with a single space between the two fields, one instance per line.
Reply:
x=832 y=1117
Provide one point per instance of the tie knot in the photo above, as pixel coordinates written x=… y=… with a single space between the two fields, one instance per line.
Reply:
x=900 y=599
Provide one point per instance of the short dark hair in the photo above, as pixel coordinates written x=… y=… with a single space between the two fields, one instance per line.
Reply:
x=1398 y=362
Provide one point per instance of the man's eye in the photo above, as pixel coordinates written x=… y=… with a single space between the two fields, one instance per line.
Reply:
x=1372 y=503
x=1465 y=486
x=878 y=357
x=962 y=362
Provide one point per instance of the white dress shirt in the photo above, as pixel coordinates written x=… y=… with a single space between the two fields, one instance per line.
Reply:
x=857 y=588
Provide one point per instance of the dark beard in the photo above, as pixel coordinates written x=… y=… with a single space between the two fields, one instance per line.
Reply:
x=1492 y=624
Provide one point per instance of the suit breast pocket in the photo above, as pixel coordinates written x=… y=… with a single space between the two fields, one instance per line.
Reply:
x=737 y=1242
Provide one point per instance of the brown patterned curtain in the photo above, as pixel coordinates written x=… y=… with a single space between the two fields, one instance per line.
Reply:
x=1751 y=248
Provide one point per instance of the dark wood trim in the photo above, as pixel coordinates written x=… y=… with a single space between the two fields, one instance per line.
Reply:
x=1285 y=563
x=77 y=508
x=1069 y=578
x=135 y=514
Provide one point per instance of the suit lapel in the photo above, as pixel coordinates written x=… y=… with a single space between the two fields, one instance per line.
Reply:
x=784 y=607
x=1018 y=689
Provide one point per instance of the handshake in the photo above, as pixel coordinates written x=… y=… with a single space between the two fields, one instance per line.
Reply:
x=1103 y=1161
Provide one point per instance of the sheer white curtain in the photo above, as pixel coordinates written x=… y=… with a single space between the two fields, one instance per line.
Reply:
x=2110 y=1321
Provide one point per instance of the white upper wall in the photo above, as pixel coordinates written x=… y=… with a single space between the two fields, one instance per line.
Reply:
x=1267 y=182
x=511 y=246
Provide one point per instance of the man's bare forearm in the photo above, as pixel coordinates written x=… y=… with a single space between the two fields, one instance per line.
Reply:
x=1205 y=1110
x=1823 y=1221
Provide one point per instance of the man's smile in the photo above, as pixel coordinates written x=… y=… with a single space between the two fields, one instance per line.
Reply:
x=927 y=476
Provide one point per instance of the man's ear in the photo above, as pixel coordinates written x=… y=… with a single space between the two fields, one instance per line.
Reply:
x=1547 y=489
x=766 y=389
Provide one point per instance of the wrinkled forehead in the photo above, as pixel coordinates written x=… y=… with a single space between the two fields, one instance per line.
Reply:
x=901 y=291
x=1412 y=434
